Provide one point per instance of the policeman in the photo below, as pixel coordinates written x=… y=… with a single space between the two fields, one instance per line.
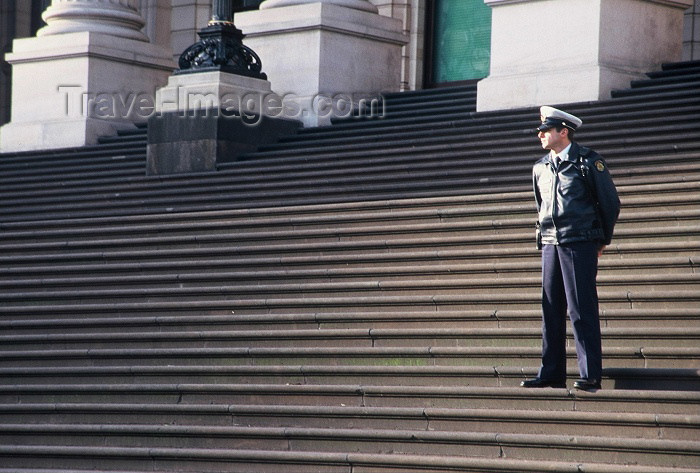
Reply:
x=578 y=206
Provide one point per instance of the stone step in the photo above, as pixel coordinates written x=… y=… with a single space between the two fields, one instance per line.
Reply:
x=620 y=289
x=223 y=191
x=511 y=212
x=455 y=121
x=138 y=138
x=518 y=421
x=360 y=395
x=677 y=88
x=430 y=95
x=520 y=255
x=515 y=209
x=516 y=147
x=131 y=158
x=676 y=69
x=610 y=299
x=201 y=272
x=220 y=287
x=646 y=336
x=619 y=261
x=596 y=449
x=661 y=97
x=241 y=461
x=666 y=194
x=668 y=80
x=622 y=357
x=619 y=378
x=642 y=224
x=439 y=118
x=301 y=215
x=391 y=104
x=604 y=140
x=83 y=320
x=676 y=253
x=424 y=163
x=612 y=272
x=54 y=156
x=475 y=128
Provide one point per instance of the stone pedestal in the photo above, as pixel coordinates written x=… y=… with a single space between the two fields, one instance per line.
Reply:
x=561 y=51
x=207 y=92
x=323 y=58
x=205 y=118
x=192 y=142
x=87 y=74
x=216 y=106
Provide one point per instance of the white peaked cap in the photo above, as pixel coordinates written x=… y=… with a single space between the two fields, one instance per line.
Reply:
x=552 y=117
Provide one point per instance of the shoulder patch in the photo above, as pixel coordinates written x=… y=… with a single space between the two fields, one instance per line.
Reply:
x=599 y=165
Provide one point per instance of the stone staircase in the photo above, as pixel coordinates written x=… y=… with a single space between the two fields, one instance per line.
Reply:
x=359 y=298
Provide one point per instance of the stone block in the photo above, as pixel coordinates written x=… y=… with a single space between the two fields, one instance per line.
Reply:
x=70 y=88
x=196 y=141
x=212 y=90
x=315 y=51
x=558 y=51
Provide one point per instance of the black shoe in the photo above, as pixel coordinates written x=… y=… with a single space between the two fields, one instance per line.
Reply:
x=543 y=383
x=587 y=384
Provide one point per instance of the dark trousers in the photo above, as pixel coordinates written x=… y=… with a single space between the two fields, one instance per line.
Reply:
x=569 y=280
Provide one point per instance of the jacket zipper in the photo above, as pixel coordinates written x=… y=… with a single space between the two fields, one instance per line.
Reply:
x=555 y=183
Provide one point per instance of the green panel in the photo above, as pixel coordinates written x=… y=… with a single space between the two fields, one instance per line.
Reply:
x=462 y=40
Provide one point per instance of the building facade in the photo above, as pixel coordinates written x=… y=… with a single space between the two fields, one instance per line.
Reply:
x=446 y=42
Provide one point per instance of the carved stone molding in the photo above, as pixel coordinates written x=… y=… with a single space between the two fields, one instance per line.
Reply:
x=364 y=5
x=221 y=48
x=114 y=17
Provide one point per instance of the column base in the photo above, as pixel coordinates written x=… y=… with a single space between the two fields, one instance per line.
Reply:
x=209 y=117
x=575 y=51
x=554 y=87
x=69 y=89
x=45 y=135
x=323 y=53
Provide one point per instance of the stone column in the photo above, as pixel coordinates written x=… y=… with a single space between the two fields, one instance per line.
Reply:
x=325 y=58
x=561 y=51
x=114 y=17
x=89 y=72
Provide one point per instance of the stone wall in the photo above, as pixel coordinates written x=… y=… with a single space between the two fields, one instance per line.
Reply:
x=691 y=33
x=411 y=13
x=187 y=18
x=15 y=22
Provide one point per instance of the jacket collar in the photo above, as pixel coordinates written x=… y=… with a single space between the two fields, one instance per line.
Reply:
x=573 y=152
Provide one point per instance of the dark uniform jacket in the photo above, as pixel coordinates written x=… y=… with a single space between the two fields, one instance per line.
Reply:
x=578 y=201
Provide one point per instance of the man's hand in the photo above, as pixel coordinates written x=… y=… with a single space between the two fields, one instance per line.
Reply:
x=600 y=250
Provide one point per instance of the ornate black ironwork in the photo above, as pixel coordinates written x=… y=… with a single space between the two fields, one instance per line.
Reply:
x=221 y=47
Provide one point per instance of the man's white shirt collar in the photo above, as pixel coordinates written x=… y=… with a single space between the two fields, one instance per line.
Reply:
x=564 y=155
